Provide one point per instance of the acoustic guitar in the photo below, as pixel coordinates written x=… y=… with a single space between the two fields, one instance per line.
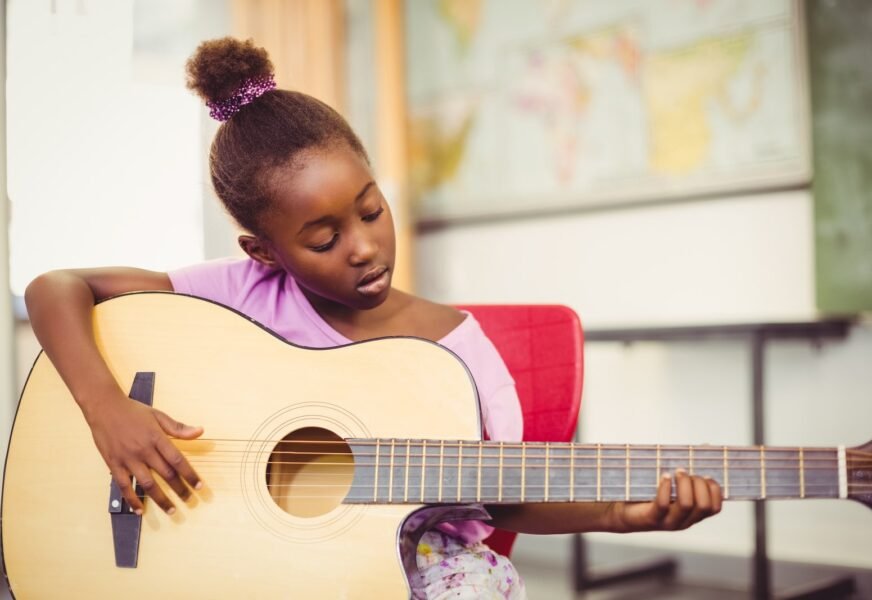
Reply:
x=322 y=468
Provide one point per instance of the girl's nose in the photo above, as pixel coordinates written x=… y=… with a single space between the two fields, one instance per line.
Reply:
x=363 y=250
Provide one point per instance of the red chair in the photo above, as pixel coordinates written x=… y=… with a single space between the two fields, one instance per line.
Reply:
x=542 y=347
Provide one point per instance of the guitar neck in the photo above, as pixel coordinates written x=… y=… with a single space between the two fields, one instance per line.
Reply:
x=397 y=471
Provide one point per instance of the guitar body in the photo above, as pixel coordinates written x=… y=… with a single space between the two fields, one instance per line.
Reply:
x=248 y=389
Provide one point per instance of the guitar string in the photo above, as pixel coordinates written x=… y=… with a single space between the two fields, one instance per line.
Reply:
x=400 y=464
x=542 y=485
x=747 y=491
x=609 y=492
x=552 y=486
x=698 y=465
x=361 y=481
x=619 y=461
x=558 y=445
x=715 y=453
x=580 y=485
x=619 y=455
x=538 y=463
x=855 y=457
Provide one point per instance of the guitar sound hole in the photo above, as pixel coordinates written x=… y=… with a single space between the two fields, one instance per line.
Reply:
x=310 y=472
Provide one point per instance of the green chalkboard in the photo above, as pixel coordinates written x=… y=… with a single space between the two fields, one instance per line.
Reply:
x=840 y=62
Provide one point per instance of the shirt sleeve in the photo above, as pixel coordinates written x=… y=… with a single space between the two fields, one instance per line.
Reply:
x=216 y=280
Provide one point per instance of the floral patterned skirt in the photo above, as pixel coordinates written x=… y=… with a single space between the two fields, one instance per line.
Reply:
x=453 y=570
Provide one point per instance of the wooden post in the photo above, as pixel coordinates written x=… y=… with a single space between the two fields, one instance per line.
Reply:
x=305 y=40
x=391 y=126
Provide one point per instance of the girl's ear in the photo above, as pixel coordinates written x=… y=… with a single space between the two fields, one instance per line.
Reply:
x=256 y=249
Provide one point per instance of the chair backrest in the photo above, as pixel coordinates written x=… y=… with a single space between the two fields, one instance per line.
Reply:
x=542 y=347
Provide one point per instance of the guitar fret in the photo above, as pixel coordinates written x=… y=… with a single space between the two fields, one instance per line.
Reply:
x=406 y=483
x=762 y=473
x=375 y=478
x=599 y=472
x=478 y=484
x=572 y=472
x=822 y=482
x=783 y=478
x=500 y=484
x=560 y=473
x=523 y=470
x=423 y=466
x=801 y=474
x=547 y=458
x=726 y=476
x=459 y=468
x=441 y=466
x=627 y=472
x=690 y=460
x=842 y=471
x=391 y=474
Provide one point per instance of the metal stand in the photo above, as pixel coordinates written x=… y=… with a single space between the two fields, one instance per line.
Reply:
x=757 y=334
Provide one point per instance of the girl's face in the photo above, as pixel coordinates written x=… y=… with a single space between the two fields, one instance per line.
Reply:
x=331 y=229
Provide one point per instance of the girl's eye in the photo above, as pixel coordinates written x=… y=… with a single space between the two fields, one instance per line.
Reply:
x=375 y=215
x=327 y=246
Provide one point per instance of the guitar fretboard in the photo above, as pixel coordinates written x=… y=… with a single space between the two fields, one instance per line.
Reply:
x=397 y=471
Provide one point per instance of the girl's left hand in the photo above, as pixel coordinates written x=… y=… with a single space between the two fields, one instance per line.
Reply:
x=696 y=498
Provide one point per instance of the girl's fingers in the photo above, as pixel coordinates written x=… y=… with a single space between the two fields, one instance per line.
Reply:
x=149 y=485
x=683 y=504
x=157 y=464
x=702 y=495
x=684 y=489
x=664 y=493
x=702 y=502
x=716 y=494
x=695 y=499
x=177 y=461
x=125 y=486
x=659 y=508
x=177 y=428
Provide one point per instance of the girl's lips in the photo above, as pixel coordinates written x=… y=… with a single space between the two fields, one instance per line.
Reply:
x=376 y=286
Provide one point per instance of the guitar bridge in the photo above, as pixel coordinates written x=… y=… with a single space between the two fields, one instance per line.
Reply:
x=126 y=524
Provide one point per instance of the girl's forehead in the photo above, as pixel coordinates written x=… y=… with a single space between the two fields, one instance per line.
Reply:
x=320 y=180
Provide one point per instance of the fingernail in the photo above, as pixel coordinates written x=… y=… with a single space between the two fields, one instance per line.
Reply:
x=682 y=471
x=171 y=510
x=666 y=476
x=199 y=485
x=138 y=511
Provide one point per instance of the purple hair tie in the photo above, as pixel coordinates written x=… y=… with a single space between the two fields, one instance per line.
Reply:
x=250 y=89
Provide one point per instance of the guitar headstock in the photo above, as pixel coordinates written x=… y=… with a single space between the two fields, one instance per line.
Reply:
x=860 y=474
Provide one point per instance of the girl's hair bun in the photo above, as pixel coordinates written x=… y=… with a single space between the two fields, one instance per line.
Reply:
x=219 y=67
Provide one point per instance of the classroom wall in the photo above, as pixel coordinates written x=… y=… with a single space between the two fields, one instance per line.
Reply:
x=7 y=348
x=736 y=259
x=746 y=257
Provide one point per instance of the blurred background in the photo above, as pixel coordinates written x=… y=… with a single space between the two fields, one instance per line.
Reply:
x=703 y=164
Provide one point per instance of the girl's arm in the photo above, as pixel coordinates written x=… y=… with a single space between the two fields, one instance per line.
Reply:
x=131 y=437
x=696 y=499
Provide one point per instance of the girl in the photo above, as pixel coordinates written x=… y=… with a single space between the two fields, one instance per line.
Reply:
x=320 y=245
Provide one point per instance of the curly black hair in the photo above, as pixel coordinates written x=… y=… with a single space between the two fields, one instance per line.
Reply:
x=270 y=132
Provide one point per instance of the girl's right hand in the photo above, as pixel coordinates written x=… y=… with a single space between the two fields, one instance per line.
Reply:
x=132 y=438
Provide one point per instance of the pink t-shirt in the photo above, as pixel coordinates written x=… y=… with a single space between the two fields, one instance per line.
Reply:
x=273 y=298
